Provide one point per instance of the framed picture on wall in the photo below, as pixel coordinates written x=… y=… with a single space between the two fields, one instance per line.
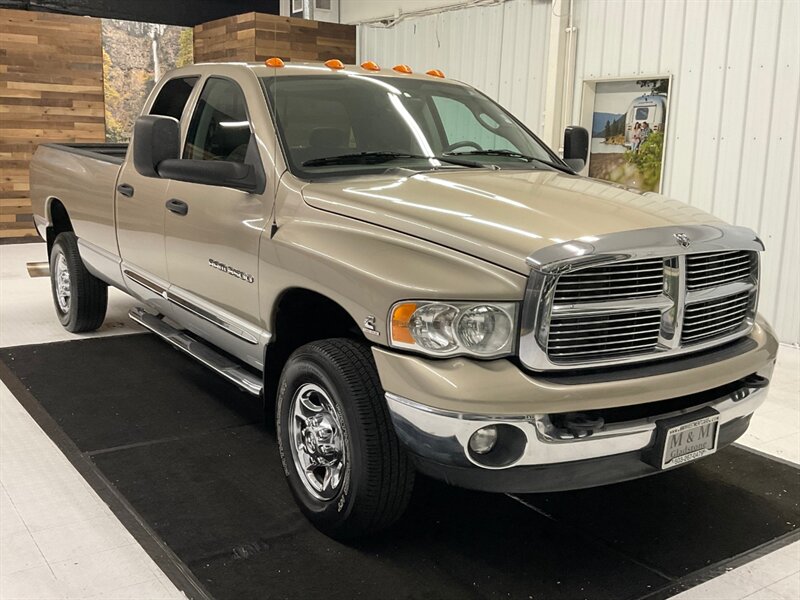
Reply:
x=627 y=120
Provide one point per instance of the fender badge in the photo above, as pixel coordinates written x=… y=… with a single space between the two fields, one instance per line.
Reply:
x=683 y=239
x=369 y=326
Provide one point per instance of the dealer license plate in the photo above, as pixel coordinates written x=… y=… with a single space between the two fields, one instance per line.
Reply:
x=689 y=441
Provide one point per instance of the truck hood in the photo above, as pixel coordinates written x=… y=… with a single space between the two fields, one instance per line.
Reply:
x=499 y=216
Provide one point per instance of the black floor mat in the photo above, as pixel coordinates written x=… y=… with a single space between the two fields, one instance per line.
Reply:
x=194 y=459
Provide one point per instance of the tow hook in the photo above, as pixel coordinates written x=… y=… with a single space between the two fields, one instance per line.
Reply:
x=582 y=425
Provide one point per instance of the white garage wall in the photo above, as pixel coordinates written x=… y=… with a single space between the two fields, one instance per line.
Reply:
x=733 y=141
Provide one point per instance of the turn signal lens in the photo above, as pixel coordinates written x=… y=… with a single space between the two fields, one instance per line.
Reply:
x=370 y=65
x=402 y=69
x=483 y=440
x=435 y=73
x=334 y=63
x=274 y=62
x=401 y=317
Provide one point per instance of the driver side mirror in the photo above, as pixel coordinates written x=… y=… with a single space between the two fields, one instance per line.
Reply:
x=155 y=139
x=576 y=147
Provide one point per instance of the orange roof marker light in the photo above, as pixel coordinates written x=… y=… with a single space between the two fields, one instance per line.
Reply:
x=402 y=69
x=370 y=65
x=435 y=73
x=275 y=62
x=334 y=63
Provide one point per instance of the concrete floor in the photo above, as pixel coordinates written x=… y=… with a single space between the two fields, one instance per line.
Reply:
x=59 y=540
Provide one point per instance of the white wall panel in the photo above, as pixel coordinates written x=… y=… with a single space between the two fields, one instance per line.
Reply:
x=732 y=141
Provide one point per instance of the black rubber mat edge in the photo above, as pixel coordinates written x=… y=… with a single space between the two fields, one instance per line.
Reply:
x=713 y=571
x=28 y=239
x=177 y=572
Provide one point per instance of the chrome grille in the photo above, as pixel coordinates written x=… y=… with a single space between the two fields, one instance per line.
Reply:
x=589 y=337
x=639 y=295
x=634 y=279
x=714 y=318
x=713 y=269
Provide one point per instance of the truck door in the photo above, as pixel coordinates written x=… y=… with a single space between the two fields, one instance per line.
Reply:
x=140 y=204
x=213 y=232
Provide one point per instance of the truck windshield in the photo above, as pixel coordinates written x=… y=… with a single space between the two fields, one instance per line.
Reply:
x=348 y=124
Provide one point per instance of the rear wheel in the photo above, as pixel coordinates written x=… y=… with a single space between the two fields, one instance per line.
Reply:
x=342 y=459
x=80 y=298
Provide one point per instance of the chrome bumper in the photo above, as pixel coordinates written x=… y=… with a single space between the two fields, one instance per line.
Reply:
x=443 y=436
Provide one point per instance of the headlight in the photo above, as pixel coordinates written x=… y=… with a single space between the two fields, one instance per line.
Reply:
x=449 y=328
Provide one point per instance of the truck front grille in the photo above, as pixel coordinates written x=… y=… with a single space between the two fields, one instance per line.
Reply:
x=634 y=279
x=631 y=309
x=714 y=318
x=592 y=337
x=718 y=268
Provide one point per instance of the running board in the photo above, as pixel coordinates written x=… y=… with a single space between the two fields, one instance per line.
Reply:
x=209 y=357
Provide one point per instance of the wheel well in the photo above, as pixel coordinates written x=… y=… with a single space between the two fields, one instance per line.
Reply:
x=303 y=316
x=59 y=222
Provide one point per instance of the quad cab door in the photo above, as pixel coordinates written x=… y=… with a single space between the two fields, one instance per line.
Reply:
x=213 y=232
x=139 y=205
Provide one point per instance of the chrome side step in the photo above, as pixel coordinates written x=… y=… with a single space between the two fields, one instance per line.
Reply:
x=209 y=357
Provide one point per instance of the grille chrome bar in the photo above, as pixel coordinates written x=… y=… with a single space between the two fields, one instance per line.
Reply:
x=639 y=295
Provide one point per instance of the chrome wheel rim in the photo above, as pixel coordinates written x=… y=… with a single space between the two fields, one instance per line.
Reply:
x=319 y=449
x=62 y=284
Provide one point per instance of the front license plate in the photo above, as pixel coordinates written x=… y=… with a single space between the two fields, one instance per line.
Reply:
x=689 y=441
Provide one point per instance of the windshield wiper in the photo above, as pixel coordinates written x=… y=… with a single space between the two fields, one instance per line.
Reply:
x=374 y=158
x=512 y=154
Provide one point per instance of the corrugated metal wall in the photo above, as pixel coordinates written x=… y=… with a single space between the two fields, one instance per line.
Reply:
x=733 y=140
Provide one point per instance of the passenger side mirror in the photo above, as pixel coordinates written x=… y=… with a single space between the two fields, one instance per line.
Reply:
x=155 y=139
x=576 y=147
x=211 y=172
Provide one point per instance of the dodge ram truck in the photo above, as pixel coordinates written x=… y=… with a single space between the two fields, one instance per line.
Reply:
x=412 y=281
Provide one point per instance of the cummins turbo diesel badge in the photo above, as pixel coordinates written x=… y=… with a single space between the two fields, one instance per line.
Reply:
x=231 y=271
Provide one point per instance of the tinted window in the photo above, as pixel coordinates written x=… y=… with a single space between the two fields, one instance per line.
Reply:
x=219 y=129
x=333 y=115
x=172 y=98
x=641 y=113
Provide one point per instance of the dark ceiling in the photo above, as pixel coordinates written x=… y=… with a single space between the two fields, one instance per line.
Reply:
x=174 y=12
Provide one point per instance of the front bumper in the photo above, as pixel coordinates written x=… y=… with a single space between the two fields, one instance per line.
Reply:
x=547 y=457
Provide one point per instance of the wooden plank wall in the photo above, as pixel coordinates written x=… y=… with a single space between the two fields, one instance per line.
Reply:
x=258 y=36
x=51 y=90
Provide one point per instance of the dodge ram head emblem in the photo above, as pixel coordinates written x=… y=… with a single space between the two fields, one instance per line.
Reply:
x=683 y=239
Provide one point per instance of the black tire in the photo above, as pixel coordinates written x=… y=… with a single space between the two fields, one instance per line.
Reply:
x=88 y=296
x=378 y=474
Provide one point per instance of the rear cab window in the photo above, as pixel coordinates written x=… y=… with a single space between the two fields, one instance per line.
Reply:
x=173 y=96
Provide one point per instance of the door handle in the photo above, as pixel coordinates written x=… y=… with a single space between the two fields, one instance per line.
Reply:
x=179 y=207
x=125 y=189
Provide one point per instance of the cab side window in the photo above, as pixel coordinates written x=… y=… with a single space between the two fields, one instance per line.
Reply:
x=172 y=98
x=219 y=129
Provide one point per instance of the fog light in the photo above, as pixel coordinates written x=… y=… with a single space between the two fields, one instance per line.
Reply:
x=483 y=440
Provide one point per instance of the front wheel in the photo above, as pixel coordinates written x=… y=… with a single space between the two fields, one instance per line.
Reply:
x=342 y=459
x=80 y=298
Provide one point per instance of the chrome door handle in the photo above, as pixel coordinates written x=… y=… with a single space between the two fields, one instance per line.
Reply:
x=125 y=189
x=179 y=207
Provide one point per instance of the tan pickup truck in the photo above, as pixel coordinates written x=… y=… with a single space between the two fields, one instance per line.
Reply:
x=413 y=280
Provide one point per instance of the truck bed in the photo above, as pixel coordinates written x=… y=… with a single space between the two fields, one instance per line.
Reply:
x=113 y=153
x=83 y=178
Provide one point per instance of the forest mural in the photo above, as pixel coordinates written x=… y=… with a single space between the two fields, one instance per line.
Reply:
x=135 y=56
